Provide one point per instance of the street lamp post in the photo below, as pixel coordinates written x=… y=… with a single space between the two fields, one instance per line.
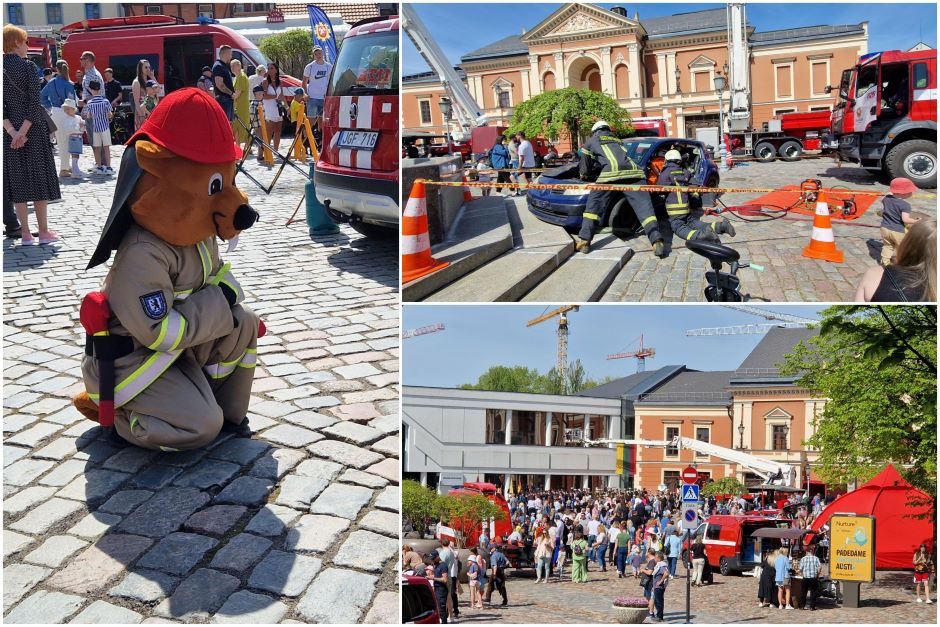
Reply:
x=720 y=83
x=741 y=434
x=678 y=82
x=446 y=110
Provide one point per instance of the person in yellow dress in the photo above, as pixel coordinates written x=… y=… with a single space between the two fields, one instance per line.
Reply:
x=298 y=112
x=242 y=96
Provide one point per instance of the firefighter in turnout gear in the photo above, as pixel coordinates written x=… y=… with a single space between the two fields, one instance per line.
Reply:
x=186 y=348
x=677 y=204
x=605 y=160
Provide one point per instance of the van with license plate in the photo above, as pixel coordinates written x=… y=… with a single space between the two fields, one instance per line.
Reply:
x=356 y=175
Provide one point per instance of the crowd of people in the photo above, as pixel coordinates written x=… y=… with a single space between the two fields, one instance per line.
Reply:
x=52 y=114
x=564 y=534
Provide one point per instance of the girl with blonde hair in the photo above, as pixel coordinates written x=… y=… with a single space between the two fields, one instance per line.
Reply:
x=913 y=277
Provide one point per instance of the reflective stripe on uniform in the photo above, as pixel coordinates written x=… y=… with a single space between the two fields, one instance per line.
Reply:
x=171 y=332
x=140 y=379
x=648 y=220
x=612 y=161
x=182 y=295
x=134 y=418
x=168 y=449
x=690 y=234
x=248 y=359
x=591 y=216
x=206 y=260
x=677 y=212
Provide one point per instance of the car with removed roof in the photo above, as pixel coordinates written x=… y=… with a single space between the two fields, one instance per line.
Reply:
x=564 y=208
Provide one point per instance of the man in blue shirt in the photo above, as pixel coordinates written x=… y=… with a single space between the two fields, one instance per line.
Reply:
x=673 y=550
x=498 y=563
x=441 y=583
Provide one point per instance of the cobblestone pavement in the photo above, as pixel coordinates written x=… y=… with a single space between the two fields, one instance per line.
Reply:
x=729 y=600
x=297 y=524
x=777 y=245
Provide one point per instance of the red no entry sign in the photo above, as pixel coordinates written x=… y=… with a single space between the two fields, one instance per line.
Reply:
x=690 y=475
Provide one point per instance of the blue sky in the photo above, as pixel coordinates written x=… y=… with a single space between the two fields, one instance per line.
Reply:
x=479 y=336
x=460 y=28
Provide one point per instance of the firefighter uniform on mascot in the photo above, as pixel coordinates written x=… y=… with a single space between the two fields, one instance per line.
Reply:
x=605 y=160
x=681 y=220
x=183 y=346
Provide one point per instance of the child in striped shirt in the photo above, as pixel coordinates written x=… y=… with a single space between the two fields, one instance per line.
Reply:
x=98 y=112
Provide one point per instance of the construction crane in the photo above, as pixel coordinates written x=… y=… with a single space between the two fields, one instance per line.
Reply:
x=640 y=355
x=561 y=363
x=433 y=328
x=781 y=320
x=467 y=112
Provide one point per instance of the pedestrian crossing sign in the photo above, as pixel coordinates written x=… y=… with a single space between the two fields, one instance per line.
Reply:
x=690 y=493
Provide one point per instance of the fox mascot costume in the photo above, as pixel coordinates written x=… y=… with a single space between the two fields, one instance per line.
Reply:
x=170 y=350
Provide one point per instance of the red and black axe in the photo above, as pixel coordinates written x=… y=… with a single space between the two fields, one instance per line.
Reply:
x=94 y=314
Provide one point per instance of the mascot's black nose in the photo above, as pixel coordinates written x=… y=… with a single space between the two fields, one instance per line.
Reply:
x=245 y=216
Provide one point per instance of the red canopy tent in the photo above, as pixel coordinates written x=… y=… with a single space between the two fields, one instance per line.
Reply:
x=903 y=517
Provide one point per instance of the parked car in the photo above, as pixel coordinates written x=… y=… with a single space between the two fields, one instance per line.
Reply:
x=418 y=605
x=565 y=208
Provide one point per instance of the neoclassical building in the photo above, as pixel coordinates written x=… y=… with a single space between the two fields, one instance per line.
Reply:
x=656 y=67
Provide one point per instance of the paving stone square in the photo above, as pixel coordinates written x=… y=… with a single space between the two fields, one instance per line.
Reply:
x=99 y=534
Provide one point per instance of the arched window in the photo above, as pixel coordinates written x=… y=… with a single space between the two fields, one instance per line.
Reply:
x=548 y=82
x=622 y=81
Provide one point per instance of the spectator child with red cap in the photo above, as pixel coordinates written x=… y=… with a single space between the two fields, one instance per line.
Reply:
x=896 y=217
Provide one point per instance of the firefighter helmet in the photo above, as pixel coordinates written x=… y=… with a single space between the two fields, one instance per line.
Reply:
x=673 y=155
x=599 y=125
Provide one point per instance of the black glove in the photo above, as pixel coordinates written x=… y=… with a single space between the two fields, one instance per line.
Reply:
x=229 y=293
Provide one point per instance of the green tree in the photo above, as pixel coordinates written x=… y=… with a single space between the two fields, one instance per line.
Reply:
x=569 y=112
x=725 y=485
x=291 y=49
x=418 y=504
x=508 y=379
x=465 y=513
x=877 y=367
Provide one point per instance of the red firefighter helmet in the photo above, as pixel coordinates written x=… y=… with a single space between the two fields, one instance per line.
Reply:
x=190 y=123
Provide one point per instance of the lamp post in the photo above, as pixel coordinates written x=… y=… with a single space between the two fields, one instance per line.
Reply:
x=446 y=110
x=720 y=83
x=741 y=433
x=678 y=81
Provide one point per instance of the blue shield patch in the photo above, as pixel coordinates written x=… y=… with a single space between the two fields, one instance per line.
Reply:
x=154 y=305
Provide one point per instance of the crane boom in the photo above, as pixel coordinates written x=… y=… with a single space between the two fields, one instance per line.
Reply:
x=739 y=117
x=561 y=359
x=468 y=111
x=771 y=472
x=551 y=314
x=743 y=329
x=771 y=315
x=433 y=328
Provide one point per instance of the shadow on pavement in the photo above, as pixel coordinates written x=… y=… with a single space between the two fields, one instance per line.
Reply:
x=373 y=259
x=17 y=258
x=173 y=528
x=851 y=174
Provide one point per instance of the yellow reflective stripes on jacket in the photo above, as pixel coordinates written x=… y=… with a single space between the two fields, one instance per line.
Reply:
x=648 y=220
x=182 y=295
x=681 y=211
x=142 y=377
x=591 y=216
x=206 y=258
x=171 y=332
x=248 y=359
x=225 y=277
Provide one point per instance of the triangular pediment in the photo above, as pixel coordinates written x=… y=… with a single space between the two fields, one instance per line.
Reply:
x=578 y=19
x=702 y=61
x=778 y=412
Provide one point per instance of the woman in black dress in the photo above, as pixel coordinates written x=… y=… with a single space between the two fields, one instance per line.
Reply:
x=28 y=163
x=767 y=588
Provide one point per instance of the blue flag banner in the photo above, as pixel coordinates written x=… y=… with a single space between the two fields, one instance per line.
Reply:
x=322 y=31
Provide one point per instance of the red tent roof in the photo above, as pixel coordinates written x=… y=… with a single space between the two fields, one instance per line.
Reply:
x=903 y=517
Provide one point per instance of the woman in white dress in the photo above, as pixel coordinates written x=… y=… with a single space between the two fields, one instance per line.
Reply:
x=139 y=91
x=274 y=97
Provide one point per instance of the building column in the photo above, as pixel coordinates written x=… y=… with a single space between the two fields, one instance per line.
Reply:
x=608 y=82
x=747 y=407
x=671 y=71
x=525 y=87
x=508 y=434
x=480 y=97
x=634 y=74
x=561 y=76
x=506 y=483
x=549 y=419
x=585 y=482
x=548 y=481
x=535 y=86
x=424 y=479
x=587 y=428
x=663 y=76
x=680 y=123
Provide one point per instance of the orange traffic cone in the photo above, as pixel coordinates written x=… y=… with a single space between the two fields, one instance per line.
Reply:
x=416 y=259
x=822 y=244
x=467 y=196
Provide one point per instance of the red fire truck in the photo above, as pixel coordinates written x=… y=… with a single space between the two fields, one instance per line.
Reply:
x=356 y=176
x=886 y=117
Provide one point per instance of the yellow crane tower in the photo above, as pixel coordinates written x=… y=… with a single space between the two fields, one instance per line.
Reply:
x=561 y=363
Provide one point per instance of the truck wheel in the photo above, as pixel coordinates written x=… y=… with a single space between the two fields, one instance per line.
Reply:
x=764 y=152
x=790 y=150
x=724 y=567
x=915 y=160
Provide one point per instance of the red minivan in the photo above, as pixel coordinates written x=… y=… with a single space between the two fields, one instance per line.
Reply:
x=177 y=52
x=357 y=174
x=729 y=545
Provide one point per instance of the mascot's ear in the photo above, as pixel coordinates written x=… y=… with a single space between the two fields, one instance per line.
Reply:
x=149 y=156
